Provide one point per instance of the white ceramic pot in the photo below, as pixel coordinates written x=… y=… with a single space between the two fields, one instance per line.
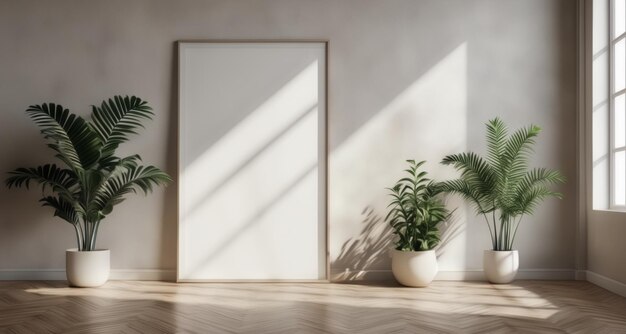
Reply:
x=500 y=266
x=87 y=269
x=416 y=269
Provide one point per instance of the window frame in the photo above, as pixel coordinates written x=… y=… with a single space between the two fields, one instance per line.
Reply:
x=613 y=150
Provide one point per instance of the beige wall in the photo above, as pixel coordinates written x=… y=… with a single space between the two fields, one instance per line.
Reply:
x=407 y=79
x=606 y=247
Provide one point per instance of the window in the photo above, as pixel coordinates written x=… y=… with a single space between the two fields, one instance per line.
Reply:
x=617 y=82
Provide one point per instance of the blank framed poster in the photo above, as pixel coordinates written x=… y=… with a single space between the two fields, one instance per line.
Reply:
x=252 y=161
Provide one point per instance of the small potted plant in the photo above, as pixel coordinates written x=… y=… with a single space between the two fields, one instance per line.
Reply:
x=414 y=215
x=91 y=180
x=502 y=189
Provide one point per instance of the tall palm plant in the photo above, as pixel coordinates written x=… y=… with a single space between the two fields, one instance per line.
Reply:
x=501 y=187
x=91 y=179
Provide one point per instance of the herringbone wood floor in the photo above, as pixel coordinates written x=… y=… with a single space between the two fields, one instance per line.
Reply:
x=444 y=307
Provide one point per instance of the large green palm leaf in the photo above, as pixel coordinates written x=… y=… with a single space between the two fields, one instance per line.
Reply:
x=62 y=209
x=127 y=179
x=514 y=164
x=533 y=187
x=476 y=173
x=72 y=138
x=117 y=118
x=49 y=175
x=470 y=191
x=497 y=133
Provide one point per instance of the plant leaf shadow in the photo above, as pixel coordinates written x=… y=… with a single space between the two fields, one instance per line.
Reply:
x=361 y=257
x=366 y=251
x=450 y=229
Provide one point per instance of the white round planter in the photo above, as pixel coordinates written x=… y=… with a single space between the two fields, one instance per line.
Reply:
x=416 y=269
x=87 y=269
x=500 y=266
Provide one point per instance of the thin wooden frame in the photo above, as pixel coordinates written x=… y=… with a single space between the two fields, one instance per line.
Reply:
x=322 y=158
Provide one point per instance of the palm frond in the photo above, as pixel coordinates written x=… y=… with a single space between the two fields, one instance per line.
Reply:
x=534 y=187
x=514 y=163
x=481 y=202
x=474 y=170
x=530 y=198
x=62 y=209
x=127 y=180
x=117 y=118
x=109 y=163
x=76 y=144
x=497 y=133
x=49 y=175
x=539 y=176
x=516 y=153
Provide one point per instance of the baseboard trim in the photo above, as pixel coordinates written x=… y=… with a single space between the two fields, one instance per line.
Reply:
x=607 y=283
x=581 y=275
x=143 y=275
x=59 y=274
x=336 y=275
x=347 y=275
x=450 y=275
x=32 y=274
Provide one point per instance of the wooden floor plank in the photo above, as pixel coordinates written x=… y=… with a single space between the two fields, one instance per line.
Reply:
x=444 y=307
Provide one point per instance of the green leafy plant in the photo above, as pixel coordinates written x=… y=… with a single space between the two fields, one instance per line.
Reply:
x=501 y=187
x=91 y=179
x=416 y=210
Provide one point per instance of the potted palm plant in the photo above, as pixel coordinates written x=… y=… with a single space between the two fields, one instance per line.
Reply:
x=91 y=179
x=502 y=189
x=415 y=213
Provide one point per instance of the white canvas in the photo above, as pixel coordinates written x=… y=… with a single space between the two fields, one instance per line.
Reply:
x=252 y=161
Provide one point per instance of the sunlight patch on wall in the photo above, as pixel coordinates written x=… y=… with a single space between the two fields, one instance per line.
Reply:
x=424 y=122
x=257 y=130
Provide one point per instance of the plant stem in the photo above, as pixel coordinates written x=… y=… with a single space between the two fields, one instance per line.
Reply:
x=95 y=234
x=515 y=231
x=502 y=226
x=508 y=233
x=503 y=234
x=493 y=244
x=87 y=236
x=81 y=237
x=77 y=236
x=495 y=229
